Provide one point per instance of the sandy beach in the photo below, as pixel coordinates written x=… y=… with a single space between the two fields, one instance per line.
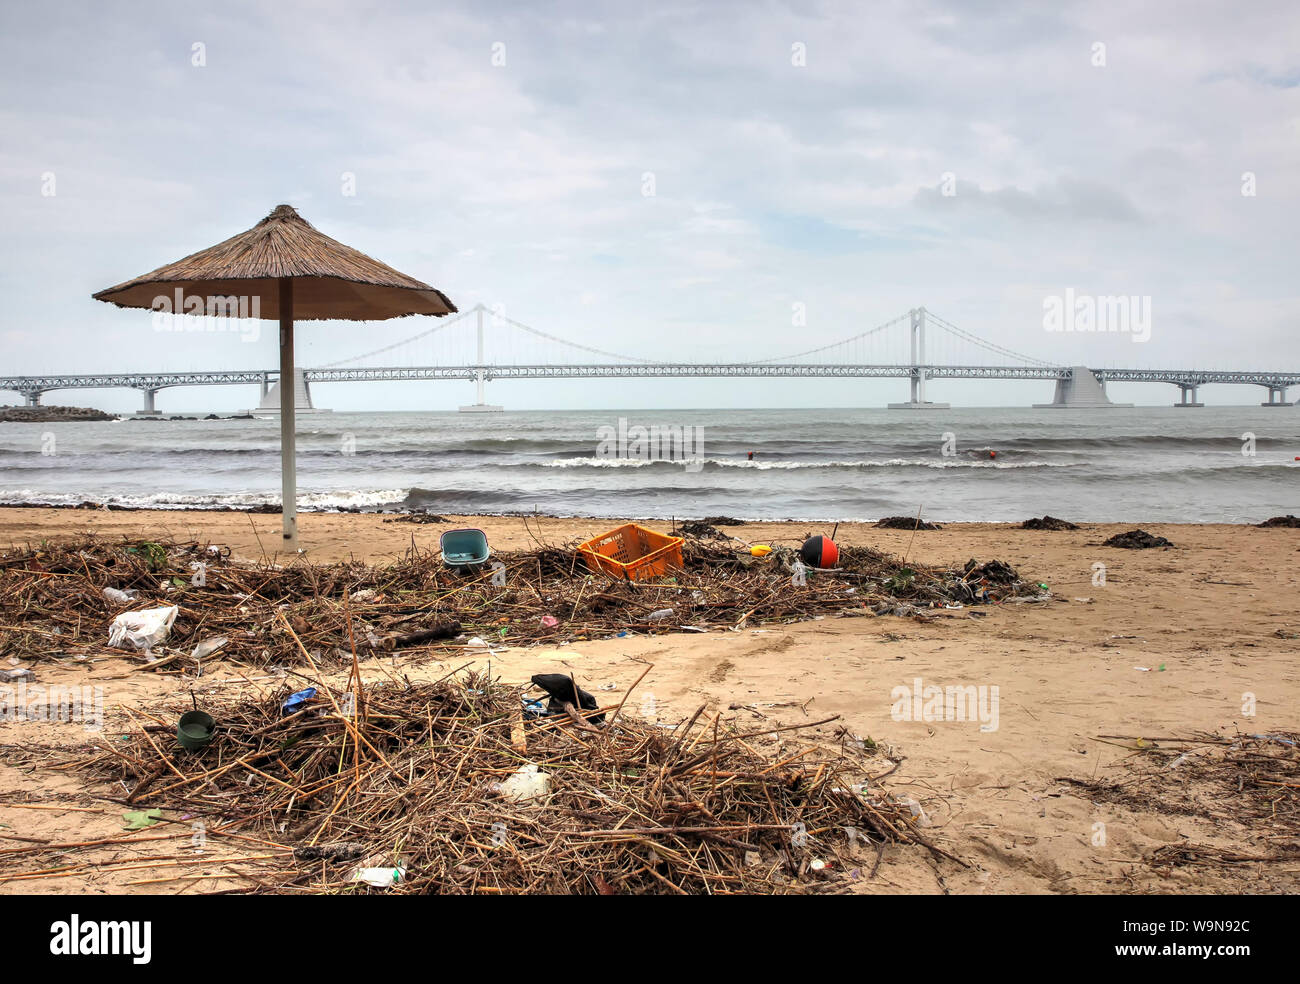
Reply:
x=1176 y=642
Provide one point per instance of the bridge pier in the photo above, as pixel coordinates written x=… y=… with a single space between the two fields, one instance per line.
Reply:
x=1188 y=390
x=1276 y=397
x=301 y=396
x=917 y=380
x=149 y=409
x=32 y=398
x=1081 y=389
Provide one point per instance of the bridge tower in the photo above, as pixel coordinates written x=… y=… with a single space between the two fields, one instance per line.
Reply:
x=919 y=368
x=480 y=404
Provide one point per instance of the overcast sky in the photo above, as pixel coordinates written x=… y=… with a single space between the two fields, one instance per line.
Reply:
x=666 y=179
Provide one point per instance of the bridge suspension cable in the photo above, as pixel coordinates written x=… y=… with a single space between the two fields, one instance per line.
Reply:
x=824 y=348
x=448 y=322
x=445 y=323
x=957 y=333
x=990 y=346
x=577 y=345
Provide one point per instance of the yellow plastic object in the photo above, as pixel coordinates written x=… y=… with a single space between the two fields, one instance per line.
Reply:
x=761 y=550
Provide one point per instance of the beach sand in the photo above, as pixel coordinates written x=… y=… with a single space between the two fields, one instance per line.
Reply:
x=1212 y=620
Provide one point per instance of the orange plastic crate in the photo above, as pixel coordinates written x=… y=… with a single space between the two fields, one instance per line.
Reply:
x=632 y=553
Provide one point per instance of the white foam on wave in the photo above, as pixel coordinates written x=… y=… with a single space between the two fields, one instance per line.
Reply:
x=790 y=465
x=235 y=500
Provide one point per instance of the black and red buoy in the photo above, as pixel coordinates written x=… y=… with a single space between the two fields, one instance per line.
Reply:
x=819 y=551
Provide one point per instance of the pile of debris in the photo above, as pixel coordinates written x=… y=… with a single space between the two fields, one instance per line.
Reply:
x=63 y=602
x=1048 y=523
x=1248 y=783
x=1287 y=521
x=469 y=786
x=906 y=523
x=1137 y=540
x=701 y=530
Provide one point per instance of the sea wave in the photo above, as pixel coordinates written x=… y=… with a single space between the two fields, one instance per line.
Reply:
x=707 y=463
x=315 y=501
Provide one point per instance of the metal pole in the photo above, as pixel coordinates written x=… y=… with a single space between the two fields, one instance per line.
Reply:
x=288 y=464
x=481 y=398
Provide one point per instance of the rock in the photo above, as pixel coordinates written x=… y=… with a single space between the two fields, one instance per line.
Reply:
x=52 y=415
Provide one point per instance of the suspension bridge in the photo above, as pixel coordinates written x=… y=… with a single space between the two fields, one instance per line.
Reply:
x=480 y=346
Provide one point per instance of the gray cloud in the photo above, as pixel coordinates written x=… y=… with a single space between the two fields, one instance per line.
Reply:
x=775 y=183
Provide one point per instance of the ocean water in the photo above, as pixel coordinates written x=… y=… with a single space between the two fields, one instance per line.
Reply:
x=1119 y=465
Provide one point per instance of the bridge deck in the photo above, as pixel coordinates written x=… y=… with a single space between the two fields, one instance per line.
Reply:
x=36 y=384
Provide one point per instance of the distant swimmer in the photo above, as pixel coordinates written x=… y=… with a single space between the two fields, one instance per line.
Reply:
x=993 y=454
x=751 y=456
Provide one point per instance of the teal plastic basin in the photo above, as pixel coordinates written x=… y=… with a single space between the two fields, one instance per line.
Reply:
x=463 y=547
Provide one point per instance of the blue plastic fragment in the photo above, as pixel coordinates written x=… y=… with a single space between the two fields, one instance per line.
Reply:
x=295 y=701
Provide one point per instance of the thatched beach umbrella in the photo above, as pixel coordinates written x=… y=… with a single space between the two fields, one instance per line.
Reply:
x=282 y=268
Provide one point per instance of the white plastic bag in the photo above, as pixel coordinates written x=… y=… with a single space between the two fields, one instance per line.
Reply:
x=144 y=629
x=525 y=785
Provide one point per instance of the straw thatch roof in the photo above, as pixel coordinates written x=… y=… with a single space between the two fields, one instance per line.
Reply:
x=330 y=280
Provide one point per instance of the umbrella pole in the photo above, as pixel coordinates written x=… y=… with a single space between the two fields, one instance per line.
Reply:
x=288 y=432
